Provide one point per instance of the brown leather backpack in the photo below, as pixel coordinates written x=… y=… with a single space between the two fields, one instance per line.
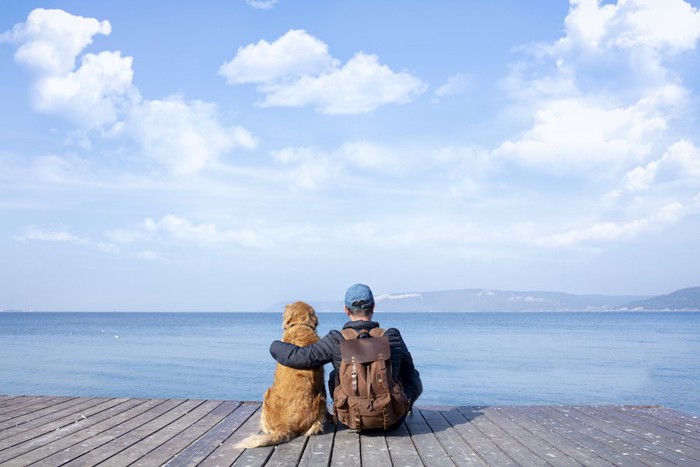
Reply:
x=367 y=396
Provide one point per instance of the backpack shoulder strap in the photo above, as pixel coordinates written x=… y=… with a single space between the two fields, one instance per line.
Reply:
x=349 y=333
x=377 y=332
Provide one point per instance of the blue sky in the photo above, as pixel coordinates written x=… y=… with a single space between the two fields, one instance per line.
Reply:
x=227 y=155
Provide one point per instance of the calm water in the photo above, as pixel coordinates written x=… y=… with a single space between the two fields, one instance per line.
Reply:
x=464 y=358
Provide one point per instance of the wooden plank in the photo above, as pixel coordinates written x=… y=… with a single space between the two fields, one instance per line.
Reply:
x=573 y=437
x=346 y=448
x=154 y=440
x=86 y=434
x=257 y=456
x=204 y=446
x=178 y=443
x=31 y=403
x=43 y=423
x=116 y=432
x=75 y=454
x=131 y=437
x=374 y=449
x=665 y=444
x=542 y=451
x=623 y=440
x=286 y=454
x=667 y=414
x=675 y=427
x=318 y=448
x=401 y=448
x=20 y=402
x=506 y=443
x=585 y=436
x=245 y=423
x=480 y=443
x=31 y=430
x=34 y=410
x=83 y=441
x=10 y=400
x=39 y=415
x=524 y=417
x=457 y=448
x=31 y=444
x=427 y=445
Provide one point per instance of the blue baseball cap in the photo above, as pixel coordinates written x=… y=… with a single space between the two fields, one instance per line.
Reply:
x=359 y=297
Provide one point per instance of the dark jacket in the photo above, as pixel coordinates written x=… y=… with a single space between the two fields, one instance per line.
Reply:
x=327 y=350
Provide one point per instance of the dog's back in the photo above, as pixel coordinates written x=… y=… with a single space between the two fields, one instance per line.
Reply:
x=295 y=404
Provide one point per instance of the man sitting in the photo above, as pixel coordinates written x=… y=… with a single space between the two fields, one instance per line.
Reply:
x=359 y=306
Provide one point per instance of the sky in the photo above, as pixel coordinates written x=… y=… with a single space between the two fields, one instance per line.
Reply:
x=229 y=155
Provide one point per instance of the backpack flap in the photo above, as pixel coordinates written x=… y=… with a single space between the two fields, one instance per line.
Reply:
x=365 y=350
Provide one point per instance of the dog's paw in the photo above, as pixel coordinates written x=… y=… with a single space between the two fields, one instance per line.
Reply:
x=315 y=429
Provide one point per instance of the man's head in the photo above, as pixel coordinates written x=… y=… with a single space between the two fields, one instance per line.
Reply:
x=359 y=301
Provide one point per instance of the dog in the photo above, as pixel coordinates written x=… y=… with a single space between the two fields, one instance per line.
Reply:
x=295 y=404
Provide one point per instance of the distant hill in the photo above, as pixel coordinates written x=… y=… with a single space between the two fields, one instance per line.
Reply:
x=498 y=300
x=680 y=300
x=467 y=300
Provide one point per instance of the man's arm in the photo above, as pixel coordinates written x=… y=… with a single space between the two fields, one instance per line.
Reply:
x=409 y=376
x=302 y=358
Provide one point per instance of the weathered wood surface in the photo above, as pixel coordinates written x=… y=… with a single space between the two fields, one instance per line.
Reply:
x=81 y=431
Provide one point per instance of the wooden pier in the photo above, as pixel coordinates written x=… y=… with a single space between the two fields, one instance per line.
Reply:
x=54 y=431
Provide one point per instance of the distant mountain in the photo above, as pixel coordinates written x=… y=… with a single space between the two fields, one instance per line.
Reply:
x=500 y=300
x=483 y=300
x=680 y=300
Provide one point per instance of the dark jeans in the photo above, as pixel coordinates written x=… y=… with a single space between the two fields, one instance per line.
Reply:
x=332 y=382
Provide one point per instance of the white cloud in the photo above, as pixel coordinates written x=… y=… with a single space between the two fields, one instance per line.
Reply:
x=94 y=95
x=294 y=54
x=34 y=233
x=296 y=71
x=606 y=232
x=679 y=164
x=601 y=96
x=456 y=84
x=91 y=96
x=571 y=135
x=628 y=41
x=470 y=169
x=261 y=4
x=52 y=39
x=371 y=156
x=184 y=136
x=661 y=25
x=182 y=229
x=312 y=169
x=149 y=255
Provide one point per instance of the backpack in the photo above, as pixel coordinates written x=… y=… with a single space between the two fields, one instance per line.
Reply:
x=366 y=395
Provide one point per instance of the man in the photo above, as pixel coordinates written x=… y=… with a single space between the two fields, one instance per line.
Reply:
x=359 y=306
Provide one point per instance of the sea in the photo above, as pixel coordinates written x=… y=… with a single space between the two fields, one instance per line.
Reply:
x=480 y=359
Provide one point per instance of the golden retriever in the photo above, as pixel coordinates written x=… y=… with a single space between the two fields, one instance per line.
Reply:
x=295 y=404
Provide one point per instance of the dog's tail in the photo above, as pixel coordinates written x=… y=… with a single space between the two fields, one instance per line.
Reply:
x=265 y=439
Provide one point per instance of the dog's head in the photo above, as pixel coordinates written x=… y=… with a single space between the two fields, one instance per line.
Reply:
x=299 y=313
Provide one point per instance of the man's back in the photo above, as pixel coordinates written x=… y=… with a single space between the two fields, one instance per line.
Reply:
x=327 y=350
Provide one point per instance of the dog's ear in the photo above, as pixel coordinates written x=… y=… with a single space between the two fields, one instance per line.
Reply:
x=313 y=319
x=287 y=316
